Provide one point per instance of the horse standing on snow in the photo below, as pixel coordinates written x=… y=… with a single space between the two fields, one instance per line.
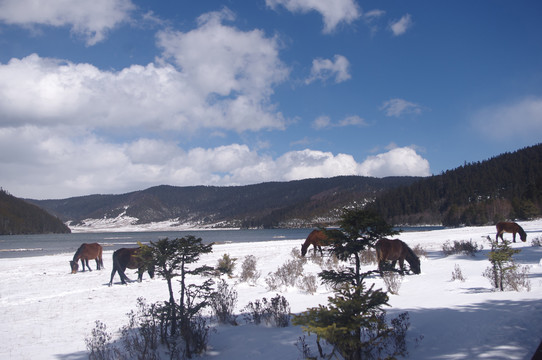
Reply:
x=510 y=227
x=85 y=253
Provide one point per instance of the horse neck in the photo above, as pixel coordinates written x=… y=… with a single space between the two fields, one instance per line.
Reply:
x=306 y=244
x=410 y=255
x=77 y=255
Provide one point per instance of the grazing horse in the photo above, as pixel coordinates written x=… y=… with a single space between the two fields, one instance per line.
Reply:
x=316 y=238
x=510 y=227
x=130 y=258
x=394 y=250
x=85 y=253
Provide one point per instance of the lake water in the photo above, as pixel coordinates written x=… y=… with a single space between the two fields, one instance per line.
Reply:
x=12 y=246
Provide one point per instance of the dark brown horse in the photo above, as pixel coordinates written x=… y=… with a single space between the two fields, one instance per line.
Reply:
x=510 y=227
x=130 y=258
x=85 y=253
x=393 y=250
x=316 y=238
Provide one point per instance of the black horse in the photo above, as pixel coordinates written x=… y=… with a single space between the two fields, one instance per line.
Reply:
x=130 y=258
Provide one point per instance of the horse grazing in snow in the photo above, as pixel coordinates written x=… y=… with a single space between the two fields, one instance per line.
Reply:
x=316 y=238
x=510 y=227
x=85 y=253
x=130 y=258
x=393 y=250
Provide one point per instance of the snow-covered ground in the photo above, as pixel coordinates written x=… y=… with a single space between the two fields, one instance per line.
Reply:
x=47 y=313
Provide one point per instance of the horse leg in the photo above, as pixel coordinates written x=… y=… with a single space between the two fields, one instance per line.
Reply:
x=514 y=236
x=402 y=266
x=88 y=266
x=97 y=264
x=321 y=253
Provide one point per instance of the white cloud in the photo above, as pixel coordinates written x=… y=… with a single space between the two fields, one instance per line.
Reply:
x=69 y=164
x=399 y=107
x=324 y=121
x=519 y=120
x=323 y=69
x=333 y=12
x=89 y=19
x=396 y=162
x=400 y=26
x=223 y=78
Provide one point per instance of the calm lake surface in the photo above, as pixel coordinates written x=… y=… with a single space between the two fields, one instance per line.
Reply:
x=13 y=246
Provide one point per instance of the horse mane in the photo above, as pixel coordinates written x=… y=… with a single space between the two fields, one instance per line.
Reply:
x=522 y=233
x=411 y=254
x=77 y=252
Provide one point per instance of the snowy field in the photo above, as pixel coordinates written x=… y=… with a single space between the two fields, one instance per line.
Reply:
x=47 y=313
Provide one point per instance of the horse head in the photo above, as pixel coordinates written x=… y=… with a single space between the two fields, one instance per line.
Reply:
x=415 y=265
x=74 y=265
x=304 y=249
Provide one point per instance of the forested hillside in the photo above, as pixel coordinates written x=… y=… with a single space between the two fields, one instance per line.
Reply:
x=508 y=186
x=20 y=217
x=274 y=204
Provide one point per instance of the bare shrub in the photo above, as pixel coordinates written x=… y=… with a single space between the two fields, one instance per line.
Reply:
x=98 y=343
x=461 y=247
x=248 y=270
x=393 y=281
x=275 y=312
x=457 y=274
x=308 y=284
x=286 y=275
x=223 y=302
x=419 y=251
x=537 y=241
x=368 y=257
x=518 y=280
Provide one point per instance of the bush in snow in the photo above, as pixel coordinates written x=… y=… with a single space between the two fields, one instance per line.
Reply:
x=393 y=281
x=286 y=275
x=248 y=270
x=223 y=302
x=461 y=247
x=275 y=312
x=504 y=273
x=457 y=274
x=308 y=283
x=225 y=265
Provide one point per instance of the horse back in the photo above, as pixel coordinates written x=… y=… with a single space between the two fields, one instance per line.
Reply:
x=318 y=238
x=387 y=249
x=89 y=251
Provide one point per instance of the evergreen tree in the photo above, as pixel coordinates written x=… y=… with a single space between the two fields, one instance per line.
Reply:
x=359 y=230
x=172 y=259
x=502 y=263
x=354 y=321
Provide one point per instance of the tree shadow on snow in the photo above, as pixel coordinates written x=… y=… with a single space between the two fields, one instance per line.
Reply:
x=496 y=329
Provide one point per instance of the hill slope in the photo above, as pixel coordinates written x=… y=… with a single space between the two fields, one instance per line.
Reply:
x=274 y=204
x=20 y=217
x=506 y=186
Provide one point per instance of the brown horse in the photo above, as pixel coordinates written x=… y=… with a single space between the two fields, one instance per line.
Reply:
x=85 y=253
x=316 y=238
x=393 y=250
x=510 y=227
x=130 y=258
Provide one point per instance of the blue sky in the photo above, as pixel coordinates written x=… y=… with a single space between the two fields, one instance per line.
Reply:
x=112 y=96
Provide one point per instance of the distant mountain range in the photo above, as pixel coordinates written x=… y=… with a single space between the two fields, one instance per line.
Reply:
x=302 y=203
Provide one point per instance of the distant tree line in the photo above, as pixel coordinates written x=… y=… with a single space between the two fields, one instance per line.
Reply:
x=20 y=217
x=508 y=186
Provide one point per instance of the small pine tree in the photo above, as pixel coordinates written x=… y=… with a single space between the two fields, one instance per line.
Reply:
x=502 y=263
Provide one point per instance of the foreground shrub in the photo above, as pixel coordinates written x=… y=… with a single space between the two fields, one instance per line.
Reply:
x=223 y=302
x=393 y=281
x=98 y=343
x=461 y=247
x=275 y=312
x=354 y=323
